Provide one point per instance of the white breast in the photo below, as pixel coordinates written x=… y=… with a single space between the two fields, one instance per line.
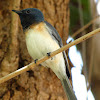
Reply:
x=39 y=44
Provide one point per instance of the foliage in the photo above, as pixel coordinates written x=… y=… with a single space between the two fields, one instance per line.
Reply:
x=75 y=16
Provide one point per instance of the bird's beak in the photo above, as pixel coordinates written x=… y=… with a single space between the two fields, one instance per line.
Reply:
x=16 y=11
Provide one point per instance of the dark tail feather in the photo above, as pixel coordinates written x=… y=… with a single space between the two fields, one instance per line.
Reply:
x=67 y=64
x=68 y=89
x=67 y=72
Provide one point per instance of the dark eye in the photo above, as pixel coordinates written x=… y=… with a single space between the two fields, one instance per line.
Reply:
x=28 y=11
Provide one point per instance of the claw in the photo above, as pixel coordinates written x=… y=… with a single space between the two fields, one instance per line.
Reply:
x=35 y=60
x=48 y=54
x=51 y=58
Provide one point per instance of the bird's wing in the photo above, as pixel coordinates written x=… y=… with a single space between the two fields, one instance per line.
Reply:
x=58 y=39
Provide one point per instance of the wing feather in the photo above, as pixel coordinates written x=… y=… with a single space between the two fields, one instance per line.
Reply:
x=58 y=39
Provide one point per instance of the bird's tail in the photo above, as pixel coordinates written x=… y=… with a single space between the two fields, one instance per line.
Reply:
x=68 y=89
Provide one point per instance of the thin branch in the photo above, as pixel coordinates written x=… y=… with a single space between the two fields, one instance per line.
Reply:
x=32 y=65
x=84 y=27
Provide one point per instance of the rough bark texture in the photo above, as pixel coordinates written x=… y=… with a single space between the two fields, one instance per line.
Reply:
x=40 y=83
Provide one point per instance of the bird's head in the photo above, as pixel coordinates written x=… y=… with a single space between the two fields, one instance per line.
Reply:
x=29 y=16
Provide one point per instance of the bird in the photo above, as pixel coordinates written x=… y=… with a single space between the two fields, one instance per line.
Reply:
x=42 y=39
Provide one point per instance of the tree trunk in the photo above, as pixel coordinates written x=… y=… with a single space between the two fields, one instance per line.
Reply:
x=40 y=83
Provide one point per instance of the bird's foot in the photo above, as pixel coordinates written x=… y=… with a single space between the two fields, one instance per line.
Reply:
x=35 y=60
x=48 y=54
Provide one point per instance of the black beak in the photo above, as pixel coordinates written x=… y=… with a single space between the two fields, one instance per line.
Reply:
x=16 y=11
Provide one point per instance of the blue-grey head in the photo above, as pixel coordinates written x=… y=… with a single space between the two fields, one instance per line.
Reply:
x=29 y=16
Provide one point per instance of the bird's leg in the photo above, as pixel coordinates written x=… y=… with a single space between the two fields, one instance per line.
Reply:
x=35 y=60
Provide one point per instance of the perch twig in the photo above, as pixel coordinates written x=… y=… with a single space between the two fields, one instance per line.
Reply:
x=84 y=27
x=32 y=65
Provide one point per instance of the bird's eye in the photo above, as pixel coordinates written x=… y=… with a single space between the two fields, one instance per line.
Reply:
x=28 y=11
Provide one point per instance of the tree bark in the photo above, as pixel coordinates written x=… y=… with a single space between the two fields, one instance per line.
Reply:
x=40 y=83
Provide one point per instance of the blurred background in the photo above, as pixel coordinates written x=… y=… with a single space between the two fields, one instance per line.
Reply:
x=68 y=17
x=86 y=13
